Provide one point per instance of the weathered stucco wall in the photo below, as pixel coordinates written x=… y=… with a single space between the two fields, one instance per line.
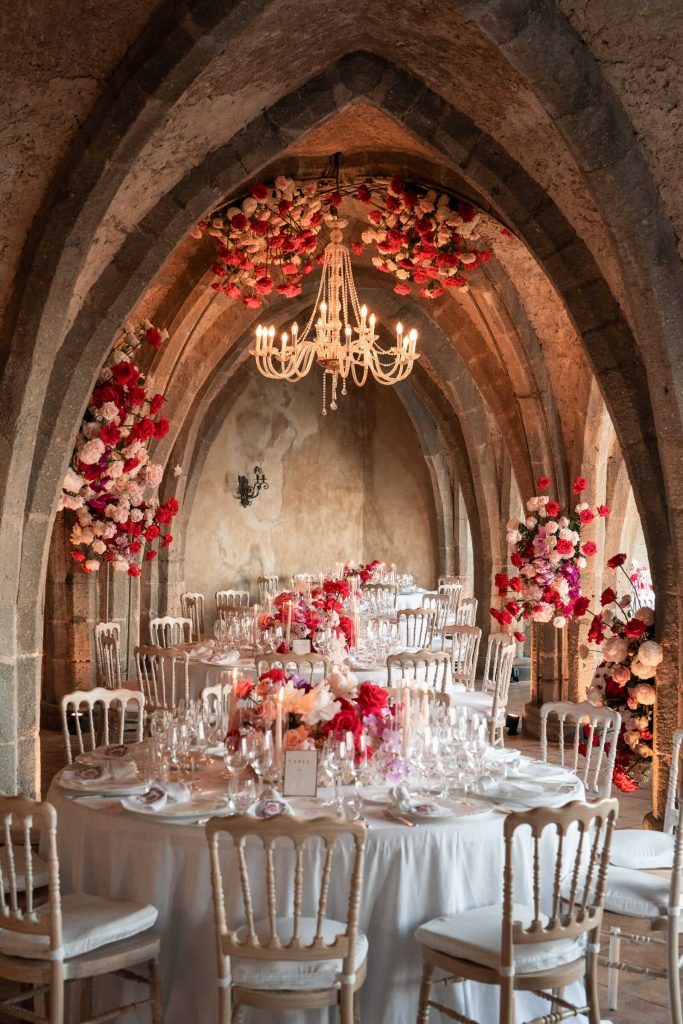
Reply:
x=353 y=484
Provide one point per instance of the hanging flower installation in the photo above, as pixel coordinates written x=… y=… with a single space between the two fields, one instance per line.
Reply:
x=110 y=468
x=270 y=240
x=625 y=678
x=546 y=548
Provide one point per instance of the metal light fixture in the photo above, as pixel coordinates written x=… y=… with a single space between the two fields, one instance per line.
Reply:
x=246 y=492
x=339 y=336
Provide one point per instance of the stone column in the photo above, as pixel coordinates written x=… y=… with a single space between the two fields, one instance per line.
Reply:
x=548 y=673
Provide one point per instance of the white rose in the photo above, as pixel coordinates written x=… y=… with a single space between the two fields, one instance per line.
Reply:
x=136 y=515
x=105 y=375
x=564 y=522
x=109 y=412
x=632 y=738
x=542 y=612
x=581 y=506
x=581 y=562
x=559 y=622
x=91 y=452
x=642 y=671
x=120 y=566
x=92 y=564
x=566 y=534
x=543 y=500
x=530 y=523
x=116 y=470
x=514 y=537
x=551 y=526
x=645 y=615
x=533 y=504
x=109 y=531
x=650 y=653
x=99 y=546
x=528 y=571
x=644 y=693
x=555 y=558
x=72 y=481
x=594 y=697
x=284 y=184
x=615 y=649
x=645 y=750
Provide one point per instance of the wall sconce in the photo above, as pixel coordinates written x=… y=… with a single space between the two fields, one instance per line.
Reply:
x=246 y=492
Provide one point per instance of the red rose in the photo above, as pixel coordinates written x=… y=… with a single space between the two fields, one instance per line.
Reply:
x=501 y=580
x=172 y=506
x=134 y=570
x=623 y=781
x=607 y=596
x=371 y=699
x=125 y=373
x=275 y=675
x=586 y=516
x=519 y=637
x=543 y=483
x=135 y=547
x=552 y=509
x=136 y=395
x=152 y=532
x=596 y=631
x=346 y=720
x=564 y=547
x=167 y=541
x=150 y=555
x=357 y=248
x=110 y=434
x=603 y=511
x=153 y=336
x=156 y=404
x=513 y=608
x=260 y=191
x=590 y=548
x=580 y=484
x=516 y=584
x=252 y=301
x=264 y=285
x=239 y=222
x=161 y=427
x=634 y=629
x=402 y=289
x=516 y=560
x=363 y=194
x=397 y=185
x=78 y=556
x=616 y=560
x=580 y=607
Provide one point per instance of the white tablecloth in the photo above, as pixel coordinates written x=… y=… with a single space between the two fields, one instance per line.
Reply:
x=411 y=875
x=414 y=600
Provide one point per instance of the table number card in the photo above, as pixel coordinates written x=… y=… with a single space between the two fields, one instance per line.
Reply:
x=301 y=773
x=301 y=646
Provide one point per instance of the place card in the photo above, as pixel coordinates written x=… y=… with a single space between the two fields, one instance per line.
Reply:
x=301 y=773
x=301 y=646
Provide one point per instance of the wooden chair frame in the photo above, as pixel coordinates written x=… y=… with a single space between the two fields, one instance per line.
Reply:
x=597 y=767
x=170 y=630
x=467 y=611
x=267 y=585
x=418 y=626
x=384 y=591
x=111 y=703
x=271 y=832
x=451 y=589
x=464 y=653
x=580 y=914
x=433 y=665
x=440 y=604
x=304 y=664
x=192 y=607
x=158 y=669
x=232 y=599
x=107 y=636
x=50 y=975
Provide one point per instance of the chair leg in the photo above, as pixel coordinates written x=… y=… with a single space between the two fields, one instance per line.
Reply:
x=226 y=1012
x=55 y=998
x=425 y=993
x=592 y=996
x=672 y=971
x=507 y=1002
x=86 y=999
x=613 y=955
x=346 y=1002
x=155 y=992
x=356 y=1008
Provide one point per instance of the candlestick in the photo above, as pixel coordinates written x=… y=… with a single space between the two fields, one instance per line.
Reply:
x=255 y=628
x=288 y=634
x=233 y=700
x=406 y=716
x=425 y=707
x=278 y=728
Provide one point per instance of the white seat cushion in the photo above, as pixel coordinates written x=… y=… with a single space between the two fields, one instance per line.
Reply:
x=288 y=975
x=642 y=848
x=38 y=868
x=88 y=922
x=476 y=935
x=474 y=699
x=631 y=892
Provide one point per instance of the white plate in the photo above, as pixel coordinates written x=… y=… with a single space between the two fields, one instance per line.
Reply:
x=114 y=752
x=107 y=787
x=202 y=806
x=453 y=810
x=539 y=771
x=375 y=794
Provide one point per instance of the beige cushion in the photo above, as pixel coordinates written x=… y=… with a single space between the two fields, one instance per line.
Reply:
x=38 y=868
x=293 y=974
x=88 y=922
x=636 y=893
x=642 y=848
x=476 y=935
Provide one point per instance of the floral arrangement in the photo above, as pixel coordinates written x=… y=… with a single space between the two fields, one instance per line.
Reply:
x=369 y=572
x=625 y=678
x=110 y=470
x=547 y=551
x=324 y=610
x=270 y=240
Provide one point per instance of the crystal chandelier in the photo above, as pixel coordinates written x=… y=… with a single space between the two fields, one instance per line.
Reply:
x=339 y=336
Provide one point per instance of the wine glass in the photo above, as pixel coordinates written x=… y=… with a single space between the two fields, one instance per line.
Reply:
x=260 y=753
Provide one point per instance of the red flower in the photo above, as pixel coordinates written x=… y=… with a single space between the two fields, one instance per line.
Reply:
x=596 y=631
x=363 y=194
x=516 y=584
x=402 y=289
x=152 y=532
x=346 y=720
x=607 y=596
x=501 y=580
x=130 y=464
x=516 y=560
x=136 y=395
x=239 y=222
x=564 y=547
x=543 y=483
x=125 y=373
x=153 y=336
x=603 y=511
x=156 y=404
x=135 y=547
x=275 y=675
x=357 y=248
x=161 y=427
x=334 y=198
x=580 y=484
x=134 y=570
x=616 y=560
x=110 y=434
x=252 y=301
x=590 y=548
x=150 y=555
x=78 y=556
x=397 y=185
x=371 y=699
x=623 y=781
x=580 y=607
x=586 y=516
x=519 y=637
x=259 y=190
x=552 y=509
x=167 y=541
x=264 y=285
x=634 y=629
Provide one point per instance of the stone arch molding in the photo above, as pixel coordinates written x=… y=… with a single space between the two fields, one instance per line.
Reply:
x=41 y=413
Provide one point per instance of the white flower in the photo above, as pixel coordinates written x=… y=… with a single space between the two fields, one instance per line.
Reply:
x=99 y=546
x=644 y=693
x=120 y=566
x=105 y=375
x=72 y=481
x=542 y=612
x=513 y=537
x=542 y=500
x=91 y=452
x=318 y=705
x=632 y=738
x=650 y=653
x=645 y=615
x=551 y=526
x=532 y=593
x=559 y=622
x=564 y=523
x=92 y=564
x=109 y=531
x=533 y=504
x=72 y=501
x=642 y=671
x=582 y=505
x=249 y=205
x=530 y=522
x=645 y=750
x=581 y=562
x=90 y=430
x=615 y=649
x=528 y=571
x=566 y=534
x=608 y=615
x=595 y=697
x=87 y=535
x=554 y=558
x=177 y=471
x=109 y=412
x=284 y=184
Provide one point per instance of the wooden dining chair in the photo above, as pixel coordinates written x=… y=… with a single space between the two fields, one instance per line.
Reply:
x=380 y=597
x=415 y=628
x=491 y=701
x=654 y=901
x=452 y=589
x=464 y=655
x=426 y=669
x=467 y=611
x=301 y=664
x=268 y=586
x=163 y=677
x=46 y=944
x=303 y=960
x=192 y=607
x=530 y=942
x=592 y=748
x=231 y=599
x=103 y=713
x=440 y=605
x=107 y=637
x=170 y=630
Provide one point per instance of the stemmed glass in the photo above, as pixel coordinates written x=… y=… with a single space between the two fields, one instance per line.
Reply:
x=261 y=754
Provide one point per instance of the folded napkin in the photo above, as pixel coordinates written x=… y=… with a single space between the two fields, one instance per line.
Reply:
x=270 y=806
x=510 y=788
x=156 y=798
x=201 y=650
x=527 y=769
x=401 y=802
x=90 y=774
x=221 y=659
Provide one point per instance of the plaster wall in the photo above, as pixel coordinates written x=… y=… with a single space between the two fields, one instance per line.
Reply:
x=352 y=484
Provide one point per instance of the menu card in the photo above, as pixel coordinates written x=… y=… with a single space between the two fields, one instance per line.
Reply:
x=301 y=773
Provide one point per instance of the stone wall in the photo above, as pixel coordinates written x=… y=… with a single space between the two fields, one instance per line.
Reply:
x=352 y=484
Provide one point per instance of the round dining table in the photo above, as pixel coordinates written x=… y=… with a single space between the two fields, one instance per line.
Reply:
x=411 y=875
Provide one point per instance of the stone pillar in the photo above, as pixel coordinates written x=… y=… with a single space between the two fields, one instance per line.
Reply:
x=548 y=673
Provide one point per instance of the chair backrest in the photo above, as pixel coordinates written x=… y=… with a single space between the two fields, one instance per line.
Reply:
x=583 y=837
x=110 y=704
x=300 y=664
x=440 y=604
x=268 y=586
x=192 y=607
x=19 y=817
x=449 y=579
x=415 y=628
x=292 y=857
x=464 y=653
x=453 y=591
x=164 y=677
x=170 y=630
x=108 y=653
x=380 y=597
x=593 y=747
x=396 y=694
x=427 y=669
x=467 y=611
x=500 y=653
x=672 y=809
x=231 y=598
